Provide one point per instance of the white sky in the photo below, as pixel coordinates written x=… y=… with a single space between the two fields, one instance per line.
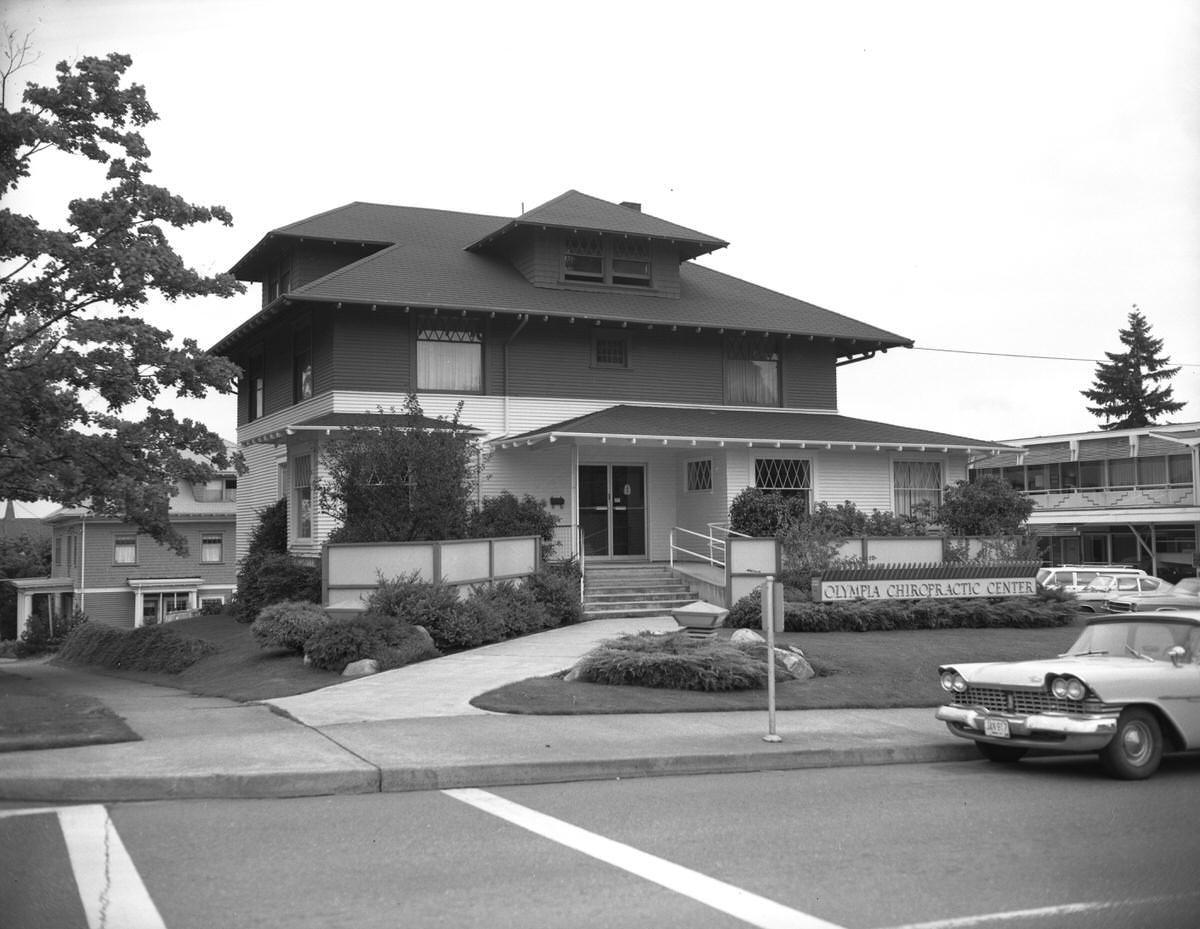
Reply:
x=987 y=177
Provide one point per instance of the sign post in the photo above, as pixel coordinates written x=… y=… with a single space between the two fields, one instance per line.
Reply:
x=769 y=607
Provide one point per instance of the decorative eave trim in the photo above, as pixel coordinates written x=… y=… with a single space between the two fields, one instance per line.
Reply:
x=679 y=441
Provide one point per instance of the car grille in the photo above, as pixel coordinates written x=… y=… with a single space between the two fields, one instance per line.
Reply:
x=1114 y=606
x=1003 y=700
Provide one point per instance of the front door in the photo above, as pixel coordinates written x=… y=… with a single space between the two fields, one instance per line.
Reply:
x=612 y=510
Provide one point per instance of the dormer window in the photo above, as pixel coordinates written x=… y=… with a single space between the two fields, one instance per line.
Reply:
x=594 y=259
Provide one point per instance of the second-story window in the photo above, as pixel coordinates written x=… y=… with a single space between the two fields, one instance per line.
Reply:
x=125 y=550
x=302 y=368
x=256 y=386
x=610 y=351
x=449 y=355
x=752 y=371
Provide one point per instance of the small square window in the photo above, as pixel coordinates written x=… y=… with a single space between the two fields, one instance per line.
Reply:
x=610 y=351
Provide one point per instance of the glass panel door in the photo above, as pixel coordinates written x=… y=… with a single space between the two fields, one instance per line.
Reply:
x=628 y=510
x=593 y=508
x=612 y=510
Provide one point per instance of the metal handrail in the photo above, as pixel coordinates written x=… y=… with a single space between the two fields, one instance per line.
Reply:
x=713 y=542
x=582 y=565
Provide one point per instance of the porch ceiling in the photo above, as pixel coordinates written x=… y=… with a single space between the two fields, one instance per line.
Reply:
x=686 y=427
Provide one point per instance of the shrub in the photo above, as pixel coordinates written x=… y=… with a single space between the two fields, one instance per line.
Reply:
x=672 y=661
x=762 y=513
x=8 y=648
x=436 y=606
x=513 y=609
x=41 y=634
x=158 y=649
x=274 y=578
x=370 y=635
x=556 y=587
x=212 y=608
x=504 y=516
x=288 y=624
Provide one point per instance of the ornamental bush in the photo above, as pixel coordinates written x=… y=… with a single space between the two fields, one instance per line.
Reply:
x=288 y=624
x=556 y=587
x=672 y=661
x=43 y=634
x=513 y=610
x=387 y=639
x=274 y=578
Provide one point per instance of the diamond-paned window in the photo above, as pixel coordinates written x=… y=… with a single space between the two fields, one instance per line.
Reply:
x=631 y=262
x=597 y=259
x=583 y=258
x=786 y=474
x=699 y=475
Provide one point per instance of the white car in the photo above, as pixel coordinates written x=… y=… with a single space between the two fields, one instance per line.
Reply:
x=1073 y=578
x=1091 y=599
x=1129 y=688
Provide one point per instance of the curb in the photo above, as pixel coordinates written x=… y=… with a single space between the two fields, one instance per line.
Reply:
x=363 y=780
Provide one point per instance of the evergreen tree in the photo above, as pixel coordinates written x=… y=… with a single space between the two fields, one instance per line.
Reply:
x=1126 y=391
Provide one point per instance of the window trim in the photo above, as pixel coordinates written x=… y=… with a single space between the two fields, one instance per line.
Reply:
x=938 y=463
x=727 y=346
x=606 y=253
x=121 y=541
x=205 y=539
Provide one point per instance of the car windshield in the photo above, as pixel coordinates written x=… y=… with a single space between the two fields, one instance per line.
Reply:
x=1148 y=639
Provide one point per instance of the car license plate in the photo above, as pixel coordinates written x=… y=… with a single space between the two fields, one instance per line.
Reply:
x=997 y=728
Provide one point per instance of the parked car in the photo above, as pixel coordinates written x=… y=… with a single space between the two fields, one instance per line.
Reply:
x=1182 y=596
x=1129 y=689
x=1093 y=598
x=1073 y=578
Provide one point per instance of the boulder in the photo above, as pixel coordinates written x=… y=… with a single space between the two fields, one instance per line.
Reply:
x=361 y=668
x=745 y=635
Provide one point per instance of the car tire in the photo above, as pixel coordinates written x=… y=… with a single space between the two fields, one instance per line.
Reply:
x=1000 y=754
x=1136 y=749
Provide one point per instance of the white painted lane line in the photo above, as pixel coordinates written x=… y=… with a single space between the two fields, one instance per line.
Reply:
x=741 y=904
x=1048 y=912
x=110 y=888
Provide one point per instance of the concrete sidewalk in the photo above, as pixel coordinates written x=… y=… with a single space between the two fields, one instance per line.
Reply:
x=413 y=729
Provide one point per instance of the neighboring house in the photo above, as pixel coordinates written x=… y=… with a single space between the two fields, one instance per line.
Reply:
x=635 y=390
x=118 y=576
x=1125 y=496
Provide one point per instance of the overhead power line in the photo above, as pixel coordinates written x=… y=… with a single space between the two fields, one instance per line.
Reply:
x=963 y=351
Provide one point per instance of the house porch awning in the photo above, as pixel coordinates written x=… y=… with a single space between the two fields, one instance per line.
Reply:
x=710 y=427
x=330 y=423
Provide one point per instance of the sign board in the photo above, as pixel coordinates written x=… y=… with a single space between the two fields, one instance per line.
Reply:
x=924 y=588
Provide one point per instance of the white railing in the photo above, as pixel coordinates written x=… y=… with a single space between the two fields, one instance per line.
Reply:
x=1082 y=498
x=713 y=545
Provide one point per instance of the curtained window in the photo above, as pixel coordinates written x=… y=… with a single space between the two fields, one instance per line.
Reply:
x=450 y=355
x=752 y=371
x=917 y=483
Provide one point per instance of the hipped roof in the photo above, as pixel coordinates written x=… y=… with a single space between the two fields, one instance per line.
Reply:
x=679 y=426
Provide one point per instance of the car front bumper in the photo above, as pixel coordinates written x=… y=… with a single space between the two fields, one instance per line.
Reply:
x=1040 y=730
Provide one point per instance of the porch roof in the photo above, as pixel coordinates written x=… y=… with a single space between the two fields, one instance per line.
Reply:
x=41 y=584
x=329 y=423
x=717 y=427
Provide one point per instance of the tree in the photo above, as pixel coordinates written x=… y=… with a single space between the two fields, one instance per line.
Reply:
x=1125 y=391
x=990 y=507
x=20 y=556
x=69 y=333
x=400 y=478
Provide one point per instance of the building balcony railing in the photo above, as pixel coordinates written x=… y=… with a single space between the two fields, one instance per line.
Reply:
x=1092 y=498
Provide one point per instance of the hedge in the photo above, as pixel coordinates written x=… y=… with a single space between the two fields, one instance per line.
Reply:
x=884 y=615
x=156 y=648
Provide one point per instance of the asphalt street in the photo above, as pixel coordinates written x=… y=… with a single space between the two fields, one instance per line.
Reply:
x=937 y=846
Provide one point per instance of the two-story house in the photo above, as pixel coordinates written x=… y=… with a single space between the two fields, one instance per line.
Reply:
x=611 y=374
x=1123 y=496
x=119 y=576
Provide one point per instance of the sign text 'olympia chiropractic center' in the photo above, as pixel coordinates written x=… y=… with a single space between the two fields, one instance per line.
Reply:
x=901 y=589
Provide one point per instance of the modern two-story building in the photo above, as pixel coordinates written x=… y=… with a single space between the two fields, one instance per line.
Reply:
x=610 y=374
x=1127 y=496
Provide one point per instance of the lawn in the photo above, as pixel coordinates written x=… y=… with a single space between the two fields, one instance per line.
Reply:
x=239 y=670
x=856 y=669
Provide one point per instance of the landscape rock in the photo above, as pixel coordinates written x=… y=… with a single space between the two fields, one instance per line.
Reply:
x=745 y=635
x=361 y=668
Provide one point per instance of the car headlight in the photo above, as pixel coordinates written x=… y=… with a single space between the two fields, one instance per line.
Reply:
x=1068 y=688
x=959 y=683
x=947 y=680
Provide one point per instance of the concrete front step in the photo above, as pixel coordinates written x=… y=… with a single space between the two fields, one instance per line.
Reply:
x=619 y=612
x=630 y=596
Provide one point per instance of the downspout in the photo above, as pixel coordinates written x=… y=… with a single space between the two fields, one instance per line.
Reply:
x=507 y=342
x=82 y=561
